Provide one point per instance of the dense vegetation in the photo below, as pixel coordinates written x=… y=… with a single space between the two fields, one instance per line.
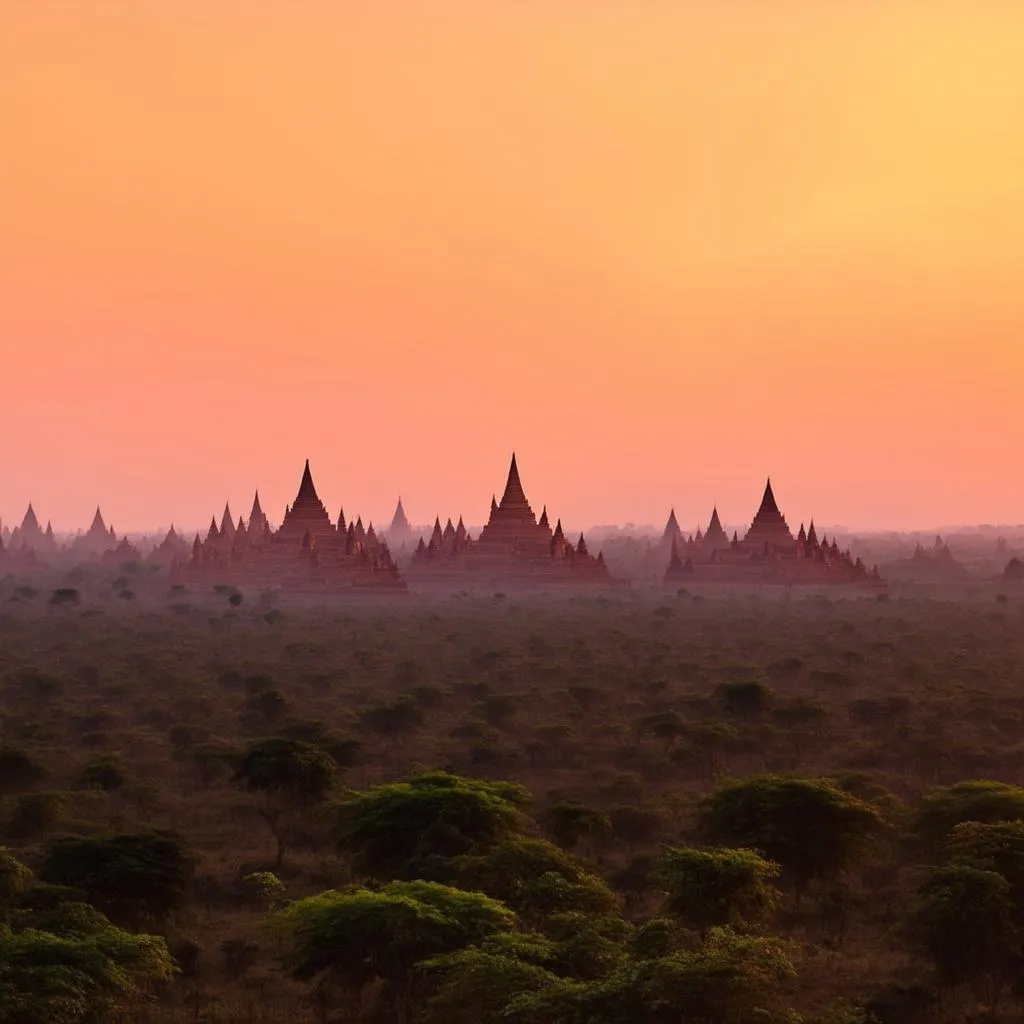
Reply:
x=631 y=808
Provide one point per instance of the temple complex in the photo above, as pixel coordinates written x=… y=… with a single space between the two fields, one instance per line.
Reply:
x=307 y=552
x=513 y=547
x=768 y=553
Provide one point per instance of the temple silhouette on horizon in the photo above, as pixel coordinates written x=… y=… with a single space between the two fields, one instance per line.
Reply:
x=767 y=553
x=515 y=547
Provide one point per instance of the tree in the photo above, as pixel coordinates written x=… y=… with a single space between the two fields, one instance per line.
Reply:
x=570 y=824
x=705 y=888
x=810 y=827
x=475 y=984
x=404 y=829
x=358 y=937
x=66 y=963
x=535 y=878
x=289 y=777
x=18 y=771
x=131 y=877
x=729 y=979
x=945 y=807
x=963 y=922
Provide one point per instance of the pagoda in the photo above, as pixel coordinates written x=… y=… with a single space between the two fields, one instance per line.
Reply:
x=96 y=541
x=768 y=554
x=30 y=536
x=514 y=547
x=307 y=552
x=769 y=530
x=400 y=531
x=173 y=548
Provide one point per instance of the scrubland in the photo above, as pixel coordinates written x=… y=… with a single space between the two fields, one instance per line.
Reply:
x=830 y=734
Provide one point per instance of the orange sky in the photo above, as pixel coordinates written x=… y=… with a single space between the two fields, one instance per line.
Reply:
x=660 y=247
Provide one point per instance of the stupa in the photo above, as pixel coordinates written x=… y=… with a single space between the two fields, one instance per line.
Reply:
x=400 y=531
x=307 y=552
x=513 y=548
x=767 y=554
x=96 y=541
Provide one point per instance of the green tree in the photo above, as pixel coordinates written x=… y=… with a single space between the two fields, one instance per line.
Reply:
x=18 y=771
x=810 y=827
x=705 y=888
x=132 y=877
x=945 y=807
x=571 y=824
x=729 y=979
x=356 y=938
x=289 y=777
x=66 y=963
x=404 y=828
x=964 y=923
x=474 y=985
x=535 y=878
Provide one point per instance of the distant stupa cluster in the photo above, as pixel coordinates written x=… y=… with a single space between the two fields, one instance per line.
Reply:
x=311 y=552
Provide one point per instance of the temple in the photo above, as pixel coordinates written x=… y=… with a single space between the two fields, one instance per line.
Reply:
x=30 y=538
x=307 y=552
x=97 y=541
x=400 y=532
x=768 y=553
x=514 y=547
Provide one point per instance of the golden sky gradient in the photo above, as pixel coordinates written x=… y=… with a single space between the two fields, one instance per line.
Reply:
x=659 y=247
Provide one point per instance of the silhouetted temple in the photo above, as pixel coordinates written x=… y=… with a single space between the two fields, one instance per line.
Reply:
x=29 y=539
x=97 y=541
x=307 y=552
x=400 y=531
x=768 y=553
x=513 y=547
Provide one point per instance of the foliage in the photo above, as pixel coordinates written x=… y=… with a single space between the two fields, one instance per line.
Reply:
x=18 y=770
x=963 y=922
x=357 y=936
x=290 y=776
x=704 y=888
x=131 y=877
x=571 y=824
x=727 y=980
x=810 y=827
x=399 y=829
x=945 y=807
x=67 y=964
x=535 y=878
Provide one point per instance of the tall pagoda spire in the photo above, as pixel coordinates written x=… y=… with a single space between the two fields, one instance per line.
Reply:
x=514 y=494
x=399 y=522
x=98 y=526
x=257 y=518
x=768 y=503
x=227 y=522
x=307 y=495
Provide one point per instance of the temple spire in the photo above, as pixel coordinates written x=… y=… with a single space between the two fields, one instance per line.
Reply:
x=307 y=491
x=514 y=494
x=98 y=526
x=768 y=503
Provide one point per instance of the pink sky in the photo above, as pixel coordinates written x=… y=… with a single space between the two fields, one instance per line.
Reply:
x=660 y=249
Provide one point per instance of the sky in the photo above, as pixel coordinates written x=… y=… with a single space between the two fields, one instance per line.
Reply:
x=660 y=248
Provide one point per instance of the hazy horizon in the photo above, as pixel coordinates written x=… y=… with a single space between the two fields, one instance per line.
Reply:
x=662 y=251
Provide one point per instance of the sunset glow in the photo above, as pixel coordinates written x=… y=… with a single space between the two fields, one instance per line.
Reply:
x=660 y=249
